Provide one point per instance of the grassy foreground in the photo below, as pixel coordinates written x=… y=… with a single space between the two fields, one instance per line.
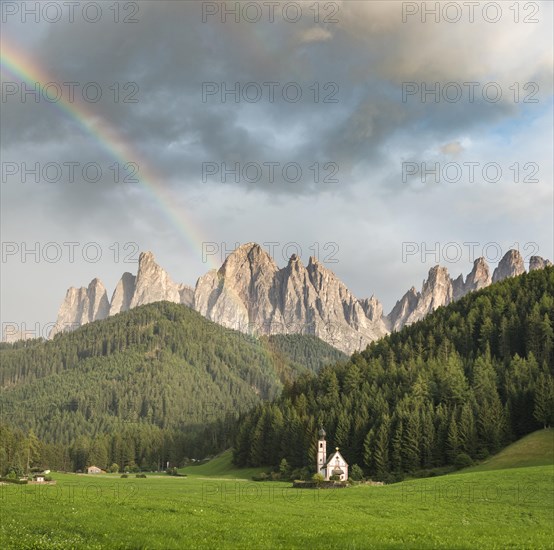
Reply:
x=492 y=509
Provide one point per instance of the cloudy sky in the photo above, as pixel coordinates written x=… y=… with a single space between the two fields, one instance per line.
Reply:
x=335 y=96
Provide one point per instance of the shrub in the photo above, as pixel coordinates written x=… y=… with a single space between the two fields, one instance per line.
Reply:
x=14 y=472
x=356 y=473
x=296 y=474
x=463 y=460
x=334 y=478
x=303 y=474
x=114 y=468
x=284 y=469
x=143 y=476
x=15 y=481
x=260 y=477
x=124 y=476
x=318 y=478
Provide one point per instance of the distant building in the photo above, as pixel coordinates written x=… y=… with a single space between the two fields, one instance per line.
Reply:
x=335 y=465
x=39 y=478
x=94 y=470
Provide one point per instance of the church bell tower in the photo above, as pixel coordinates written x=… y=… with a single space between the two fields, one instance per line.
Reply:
x=321 y=452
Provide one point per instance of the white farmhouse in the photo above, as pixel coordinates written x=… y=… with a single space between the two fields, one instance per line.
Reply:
x=335 y=465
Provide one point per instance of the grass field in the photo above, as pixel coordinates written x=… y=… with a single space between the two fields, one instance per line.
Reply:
x=536 y=449
x=222 y=467
x=510 y=508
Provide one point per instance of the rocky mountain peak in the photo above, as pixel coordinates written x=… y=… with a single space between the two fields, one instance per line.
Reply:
x=295 y=268
x=247 y=258
x=123 y=294
x=510 y=265
x=458 y=287
x=152 y=283
x=480 y=276
x=81 y=306
x=397 y=318
x=536 y=262
x=373 y=308
x=436 y=291
x=98 y=298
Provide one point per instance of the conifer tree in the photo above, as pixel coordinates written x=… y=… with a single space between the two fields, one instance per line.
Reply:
x=544 y=401
x=381 y=448
x=453 y=439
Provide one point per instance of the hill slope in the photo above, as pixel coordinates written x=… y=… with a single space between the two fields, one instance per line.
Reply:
x=303 y=351
x=221 y=466
x=535 y=449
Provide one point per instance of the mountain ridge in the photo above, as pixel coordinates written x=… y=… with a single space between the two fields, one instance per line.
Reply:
x=250 y=293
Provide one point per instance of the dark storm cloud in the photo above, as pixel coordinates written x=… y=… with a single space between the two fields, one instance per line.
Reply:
x=169 y=53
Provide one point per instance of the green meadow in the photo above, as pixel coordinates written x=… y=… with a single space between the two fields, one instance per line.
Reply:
x=216 y=507
x=535 y=449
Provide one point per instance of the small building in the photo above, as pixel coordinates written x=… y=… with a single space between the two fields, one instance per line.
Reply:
x=94 y=470
x=335 y=465
x=41 y=479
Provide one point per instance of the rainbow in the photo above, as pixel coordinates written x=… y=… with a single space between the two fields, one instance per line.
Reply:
x=14 y=61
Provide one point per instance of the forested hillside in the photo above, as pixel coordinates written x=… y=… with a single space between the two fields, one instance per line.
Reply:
x=305 y=352
x=468 y=379
x=151 y=385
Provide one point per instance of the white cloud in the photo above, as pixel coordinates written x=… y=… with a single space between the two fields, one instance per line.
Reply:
x=454 y=148
x=315 y=34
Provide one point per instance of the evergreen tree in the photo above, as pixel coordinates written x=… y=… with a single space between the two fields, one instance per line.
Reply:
x=368 y=449
x=411 y=458
x=453 y=439
x=396 y=454
x=544 y=401
x=381 y=449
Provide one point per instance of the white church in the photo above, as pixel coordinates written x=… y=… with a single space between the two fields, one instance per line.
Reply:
x=335 y=466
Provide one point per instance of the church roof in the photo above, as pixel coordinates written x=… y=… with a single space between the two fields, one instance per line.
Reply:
x=334 y=455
